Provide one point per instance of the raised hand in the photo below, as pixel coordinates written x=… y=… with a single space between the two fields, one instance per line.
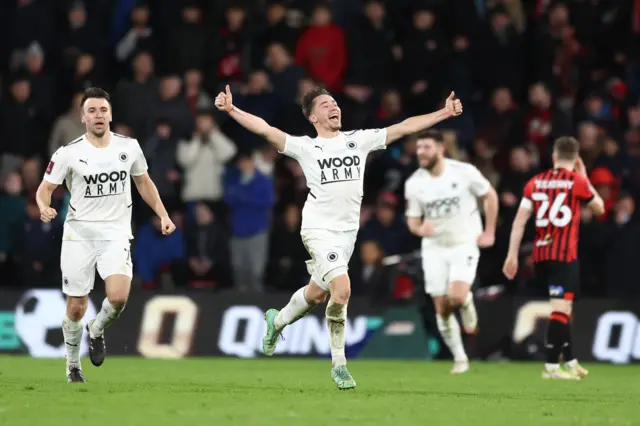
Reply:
x=224 y=100
x=454 y=106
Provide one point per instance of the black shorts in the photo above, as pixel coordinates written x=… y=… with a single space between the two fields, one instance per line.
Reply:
x=562 y=279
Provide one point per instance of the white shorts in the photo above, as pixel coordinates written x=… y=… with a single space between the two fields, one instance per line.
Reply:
x=330 y=253
x=79 y=260
x=444 y=265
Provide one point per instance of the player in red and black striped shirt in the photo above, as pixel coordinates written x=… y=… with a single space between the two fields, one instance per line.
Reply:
x=556 y=198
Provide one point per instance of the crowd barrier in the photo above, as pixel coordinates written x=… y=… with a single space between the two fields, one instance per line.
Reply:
x=230 y=324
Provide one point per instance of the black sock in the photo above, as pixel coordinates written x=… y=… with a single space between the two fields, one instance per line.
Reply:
x=567 y=350
x=556 y=336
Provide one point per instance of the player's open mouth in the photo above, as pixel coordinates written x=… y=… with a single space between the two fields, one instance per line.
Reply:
x=334 y=117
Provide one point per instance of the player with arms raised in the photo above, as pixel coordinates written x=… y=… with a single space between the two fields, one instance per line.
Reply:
x=556 y=197
x=442 y=208
x=333 y=164
x=97 y=169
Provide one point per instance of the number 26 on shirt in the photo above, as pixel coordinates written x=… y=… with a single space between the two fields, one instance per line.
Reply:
x=559 y=214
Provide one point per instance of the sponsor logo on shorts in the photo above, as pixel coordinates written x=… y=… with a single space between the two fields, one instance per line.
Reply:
x=332 y=257
x=556 y=290
x=65 y=281
x=123 y=157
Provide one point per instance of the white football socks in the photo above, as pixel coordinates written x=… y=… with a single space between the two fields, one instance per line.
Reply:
x=107 y=316
x=295 y=309
x=467 y=300
x=450 y=332
x=336 y=314
x=72 y=332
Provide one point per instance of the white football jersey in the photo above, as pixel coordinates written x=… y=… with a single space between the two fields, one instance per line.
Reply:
x=99 y=180
x=449 y=201
x=334 y=169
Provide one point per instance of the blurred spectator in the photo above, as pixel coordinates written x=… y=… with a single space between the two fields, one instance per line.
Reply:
x=156 y=253
x=390 y=110
x=502 y=123
x=387 y=228
x=287 y=255
x=284 y=73
x=588 y=137
x=513 y=182
x=371 y=278
x=68 y=127
x=171 y=104
x=277 y=31
x=124 y=130
x=265 y=159
x=230 y=45
x=321 y=50
x=39 y=252
x=136 y=97
x=499 y=54
x=255 y=97
x=544 y=122
x=197 y=97
x=22 y=134
x=612 y=158
x=622 y=237
x=86 y=73
x=139 y=37
x=423 y=57
x=483 y=159
x=188 y=42
x=203 y=159
x=606 y=185
x=208 y=250
x=42 y=84
x=250 y=197
x=370 y=44
x=160 y=152
x=12 y=215
x=31 y=176
x=81 y=36
x=31 y=21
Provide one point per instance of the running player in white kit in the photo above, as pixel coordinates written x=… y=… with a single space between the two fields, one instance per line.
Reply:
x=97 y=169
x=333 y=164
x=442 y=208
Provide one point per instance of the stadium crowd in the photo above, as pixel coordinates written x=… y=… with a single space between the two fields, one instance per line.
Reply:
x=526 y=72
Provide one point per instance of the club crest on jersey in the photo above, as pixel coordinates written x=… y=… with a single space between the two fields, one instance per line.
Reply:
x=123 y=157
x=352 y=145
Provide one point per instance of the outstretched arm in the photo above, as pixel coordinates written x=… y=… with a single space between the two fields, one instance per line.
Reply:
x=452 y=108
x=276 y=137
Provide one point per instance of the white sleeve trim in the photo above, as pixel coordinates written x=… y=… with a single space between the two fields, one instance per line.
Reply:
x=526 y=204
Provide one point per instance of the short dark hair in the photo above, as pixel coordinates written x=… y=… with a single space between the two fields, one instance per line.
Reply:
x=95 y=93
x=434 y=134
x=566 y=148
x=310 y=97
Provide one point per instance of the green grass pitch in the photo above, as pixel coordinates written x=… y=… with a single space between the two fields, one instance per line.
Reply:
x=136 y=391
